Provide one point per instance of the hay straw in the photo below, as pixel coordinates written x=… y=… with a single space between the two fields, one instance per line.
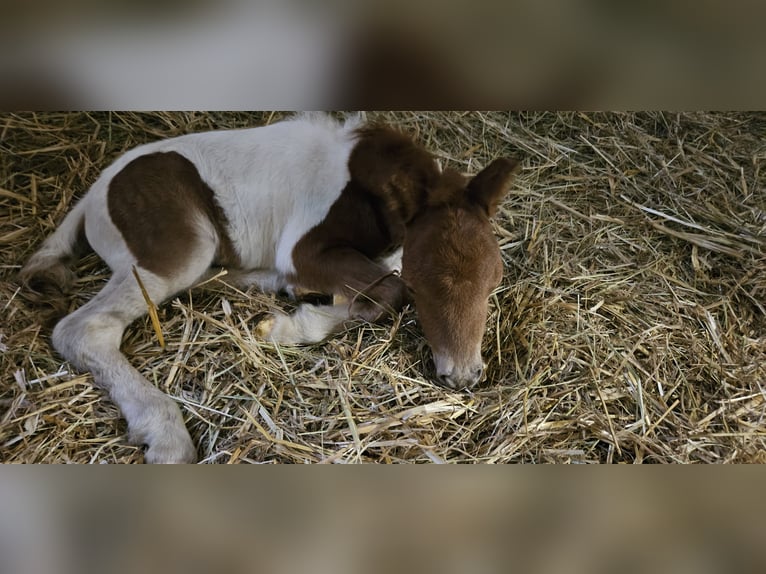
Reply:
x=151 y=307
x=630 y=325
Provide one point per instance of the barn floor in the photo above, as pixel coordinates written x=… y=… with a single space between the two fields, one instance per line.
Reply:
x=630 y=325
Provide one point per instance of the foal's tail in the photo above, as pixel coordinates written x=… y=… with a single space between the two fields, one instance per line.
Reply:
x=48 y=275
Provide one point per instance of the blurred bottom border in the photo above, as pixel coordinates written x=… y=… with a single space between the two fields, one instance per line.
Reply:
x=376 y=519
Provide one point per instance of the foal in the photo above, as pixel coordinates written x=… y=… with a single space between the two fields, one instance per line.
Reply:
x=305 y=203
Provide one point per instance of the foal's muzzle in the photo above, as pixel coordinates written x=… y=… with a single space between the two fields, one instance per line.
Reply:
x=459 y=379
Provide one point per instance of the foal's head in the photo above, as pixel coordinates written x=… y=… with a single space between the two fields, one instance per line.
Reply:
x=452 y=263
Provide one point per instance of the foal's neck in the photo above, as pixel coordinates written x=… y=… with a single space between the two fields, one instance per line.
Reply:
x=395 y=170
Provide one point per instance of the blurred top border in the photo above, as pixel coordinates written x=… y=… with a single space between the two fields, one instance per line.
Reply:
x=238 y=55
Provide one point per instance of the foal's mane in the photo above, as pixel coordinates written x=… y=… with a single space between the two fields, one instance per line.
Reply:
x=390 y=165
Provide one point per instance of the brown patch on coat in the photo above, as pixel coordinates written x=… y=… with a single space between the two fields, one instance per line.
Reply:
x=155 y=202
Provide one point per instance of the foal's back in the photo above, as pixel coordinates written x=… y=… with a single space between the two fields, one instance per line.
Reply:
x=273 y=183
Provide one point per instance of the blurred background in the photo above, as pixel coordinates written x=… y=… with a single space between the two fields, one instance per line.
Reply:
x=471 y=520
x=296 y=54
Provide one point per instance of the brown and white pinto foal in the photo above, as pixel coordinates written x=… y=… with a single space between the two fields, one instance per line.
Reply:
x=305 y=203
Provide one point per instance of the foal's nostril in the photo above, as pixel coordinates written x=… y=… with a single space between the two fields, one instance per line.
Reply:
x=478 y=373
x=444 y=380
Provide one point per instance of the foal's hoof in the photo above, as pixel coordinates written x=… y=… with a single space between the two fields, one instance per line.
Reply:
x=167 y=443
x=279 y=328
x=171 y=450
x=264 y=328
x=307 y=325
x=368 y=311
x=382 y=299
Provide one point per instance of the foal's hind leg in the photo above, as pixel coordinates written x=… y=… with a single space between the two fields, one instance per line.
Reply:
x=90 y=339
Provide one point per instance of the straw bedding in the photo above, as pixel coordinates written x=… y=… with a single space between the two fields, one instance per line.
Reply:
x=630 y=325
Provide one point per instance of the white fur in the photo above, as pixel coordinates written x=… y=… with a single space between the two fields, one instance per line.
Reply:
x=393 y=262
x=274 y=184
x=308 y=324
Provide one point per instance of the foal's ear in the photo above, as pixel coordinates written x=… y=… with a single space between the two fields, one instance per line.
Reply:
x=490 y=185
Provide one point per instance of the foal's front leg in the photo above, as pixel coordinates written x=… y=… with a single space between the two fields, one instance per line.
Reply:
x=371 y=287
x=368 y=290
x=306 y=325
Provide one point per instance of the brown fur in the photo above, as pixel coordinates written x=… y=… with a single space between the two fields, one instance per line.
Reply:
x=338 y=255
x=488 y=187
x=390 y=166
x=153 y=202
x=397 y=195
x=452 y=263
